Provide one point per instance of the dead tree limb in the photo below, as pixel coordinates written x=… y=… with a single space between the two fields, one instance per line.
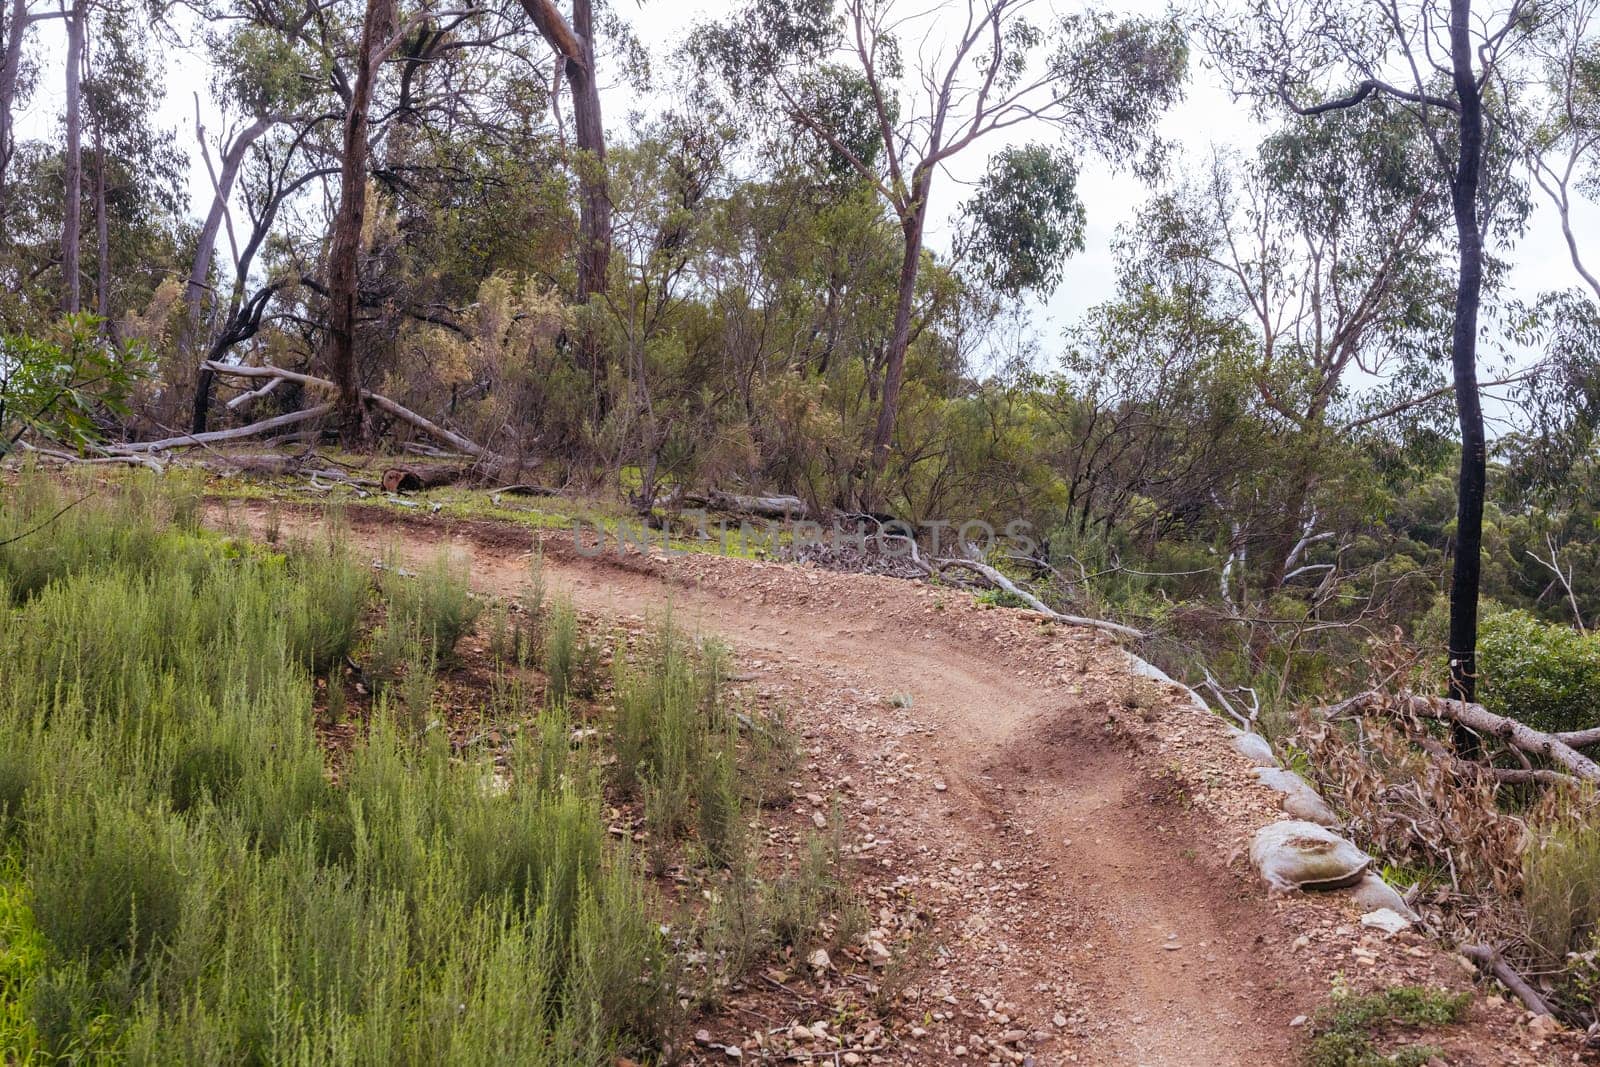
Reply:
x=253 y=395
x=214 y=436
x=1491 y=962
x=771 y=507
x=1474 y=717
x=1002 y=582
x=111 y=460
x=404 y=414
x=1580 y=738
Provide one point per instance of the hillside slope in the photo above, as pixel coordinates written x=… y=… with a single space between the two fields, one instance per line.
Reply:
x=1073 y=831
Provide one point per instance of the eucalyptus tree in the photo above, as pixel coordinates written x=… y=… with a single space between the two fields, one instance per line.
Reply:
x=1325 y=245
x=843 y=76
x=1563 y=139
x=573 y=41
x=1438 y=61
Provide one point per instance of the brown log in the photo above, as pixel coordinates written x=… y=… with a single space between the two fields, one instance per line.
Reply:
x=411 y=479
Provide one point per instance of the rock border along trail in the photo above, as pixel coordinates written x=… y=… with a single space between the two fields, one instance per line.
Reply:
x=1073 y=831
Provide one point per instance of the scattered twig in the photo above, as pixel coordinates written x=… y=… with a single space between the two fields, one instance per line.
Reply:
x=39 y=526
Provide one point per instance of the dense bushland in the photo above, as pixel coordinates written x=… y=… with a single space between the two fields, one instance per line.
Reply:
x=184 y=880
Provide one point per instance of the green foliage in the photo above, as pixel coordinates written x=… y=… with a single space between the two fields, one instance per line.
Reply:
x=436 y=602
x=22 y=959
x=1025 y=219
x=201 y=892
x=56 y=383
x=1346 y=1034
x=1561 y=893
x=1547 y=675
x=324 y=618
x=571 y=656
x=749 y=916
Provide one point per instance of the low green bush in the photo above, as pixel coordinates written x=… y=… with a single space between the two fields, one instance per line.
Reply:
x=1561 y=893
x=1547 y=675
x=187 y=884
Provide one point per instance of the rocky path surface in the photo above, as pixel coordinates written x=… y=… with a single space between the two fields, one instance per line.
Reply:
x=1073 y=831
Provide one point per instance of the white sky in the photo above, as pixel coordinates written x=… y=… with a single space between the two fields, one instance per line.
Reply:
x=1206 y=117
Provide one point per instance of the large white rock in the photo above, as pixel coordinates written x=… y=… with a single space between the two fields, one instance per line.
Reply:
x=1253 y=747
x=1299 y=798
x=1295 y=854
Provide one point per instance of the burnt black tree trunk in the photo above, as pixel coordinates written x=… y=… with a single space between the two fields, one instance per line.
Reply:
x=1464 y=362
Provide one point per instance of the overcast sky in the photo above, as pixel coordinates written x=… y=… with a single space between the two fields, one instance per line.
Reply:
x=1205 y=118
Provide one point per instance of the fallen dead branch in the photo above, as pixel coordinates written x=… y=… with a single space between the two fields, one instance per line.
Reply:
x=383 y=403
x=244 y=399
x=1475 y=717
x=212 y=437
x=110 y=460
x=1002 y=582
x=1580 y=738
x=1491 y=963
x=770 y=507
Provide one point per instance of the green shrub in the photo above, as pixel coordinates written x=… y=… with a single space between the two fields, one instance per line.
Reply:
x=438 y=601
x=571 y=657
x=199 y=890
x=1546 y=675
x=329 y=596
x=1561 y=888
x=1347 y=1033
x=22 y=959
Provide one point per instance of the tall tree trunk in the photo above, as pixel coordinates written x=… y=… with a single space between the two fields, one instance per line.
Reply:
x=345 y=248
x=594 y=215
x=900 y=339
x=195 y=292
x=102 y=234
x=10 y=69
x=574 y=42
x=72 y=194
x=102 y=225
x=1463 y=357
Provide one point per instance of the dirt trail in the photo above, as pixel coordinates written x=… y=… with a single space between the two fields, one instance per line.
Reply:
x=1080 y=894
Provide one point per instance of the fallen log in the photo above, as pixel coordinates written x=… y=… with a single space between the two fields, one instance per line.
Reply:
x=263 y=463
x=1002 y=582
x=770 y=507
x=1476 y=717
x=383 y=403
x=411 y=479
x=236 y=433
x=1492 y=963
x=521 y=489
